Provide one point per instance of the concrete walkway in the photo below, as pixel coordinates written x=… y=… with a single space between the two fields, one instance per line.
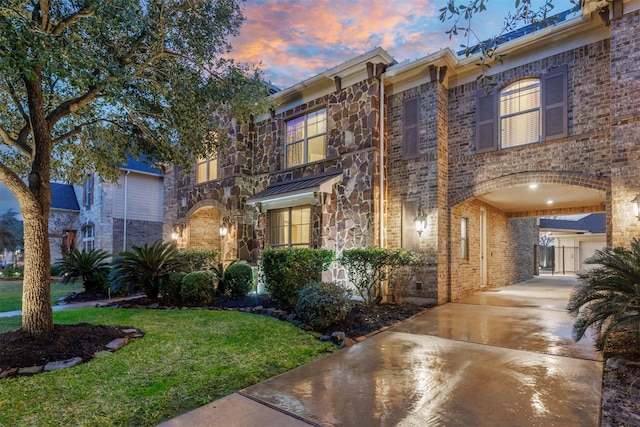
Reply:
x=503 y=357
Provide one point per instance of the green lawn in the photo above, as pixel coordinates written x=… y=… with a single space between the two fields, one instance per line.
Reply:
x=187 y=359
x=11 y=293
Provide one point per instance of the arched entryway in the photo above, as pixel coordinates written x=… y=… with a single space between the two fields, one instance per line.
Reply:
x=494 y=228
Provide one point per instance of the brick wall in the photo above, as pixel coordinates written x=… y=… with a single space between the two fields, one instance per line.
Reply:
x=139 y=233
x=625 y=127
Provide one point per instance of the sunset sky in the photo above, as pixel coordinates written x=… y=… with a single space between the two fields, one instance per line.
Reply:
x=296 y=39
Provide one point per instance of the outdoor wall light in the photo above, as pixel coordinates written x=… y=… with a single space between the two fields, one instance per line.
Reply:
x=177 y=231
x=420 y=221
x=636 y=206
x=225 y=226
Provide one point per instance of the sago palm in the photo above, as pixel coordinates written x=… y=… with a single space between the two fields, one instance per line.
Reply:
x=608 y=297
x=146 y=267
x=92 y=267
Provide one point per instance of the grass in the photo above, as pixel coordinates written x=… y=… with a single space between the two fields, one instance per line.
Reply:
x=187 y=359
x=11 y=293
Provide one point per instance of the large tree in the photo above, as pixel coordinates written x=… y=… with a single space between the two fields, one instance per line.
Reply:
x=84 y=83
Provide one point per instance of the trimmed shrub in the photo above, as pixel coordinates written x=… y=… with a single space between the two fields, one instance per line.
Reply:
x=286 y=271
x=171 y=287
x=198 y=260
x=197 y=288
x=367 y=268
x=238 y=280
x=322 y=304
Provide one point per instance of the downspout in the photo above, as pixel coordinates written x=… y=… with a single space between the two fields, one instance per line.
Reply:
x=126 y=190
x=381 y=183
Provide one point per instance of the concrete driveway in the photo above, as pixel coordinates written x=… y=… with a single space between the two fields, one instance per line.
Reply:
x=503 y=357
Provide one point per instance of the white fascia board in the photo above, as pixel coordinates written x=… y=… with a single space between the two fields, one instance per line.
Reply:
x=351 y=72
x=567 y=35
x=406 y=75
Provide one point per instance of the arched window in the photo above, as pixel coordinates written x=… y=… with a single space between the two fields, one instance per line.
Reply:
x=524 y=112
x=520 y=122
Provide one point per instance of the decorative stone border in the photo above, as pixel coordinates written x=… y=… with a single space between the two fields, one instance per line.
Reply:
x=114 y=345
x=338 y=337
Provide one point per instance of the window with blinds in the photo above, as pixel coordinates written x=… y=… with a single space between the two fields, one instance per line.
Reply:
x=306 y=138
x=520 y=113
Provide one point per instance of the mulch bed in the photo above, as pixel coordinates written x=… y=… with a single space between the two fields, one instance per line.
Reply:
x=19 y=349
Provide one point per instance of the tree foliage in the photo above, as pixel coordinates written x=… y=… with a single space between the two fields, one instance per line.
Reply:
x=86 y=83
x=608 y=297
x=462 y=13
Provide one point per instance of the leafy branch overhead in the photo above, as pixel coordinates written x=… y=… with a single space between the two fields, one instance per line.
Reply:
x=120 y=77
x=524 y=13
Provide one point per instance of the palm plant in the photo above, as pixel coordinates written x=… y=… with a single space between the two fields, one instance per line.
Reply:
x=608 y=297
x=146 y=268
x=92 y=267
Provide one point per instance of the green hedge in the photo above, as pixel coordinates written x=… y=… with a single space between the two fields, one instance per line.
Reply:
x=197 y=288
x=286 y=271
x=322 y=304
x=238 y=280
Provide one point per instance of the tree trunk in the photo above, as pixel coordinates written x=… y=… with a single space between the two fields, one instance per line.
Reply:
x=37 y=316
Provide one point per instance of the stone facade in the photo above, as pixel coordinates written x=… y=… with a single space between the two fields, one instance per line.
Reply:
x=61 y=223
x=445 y=176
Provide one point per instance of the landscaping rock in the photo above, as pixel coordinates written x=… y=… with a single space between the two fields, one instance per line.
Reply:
x=8 y=373
x=117 y=344
x=290 y=318
x=325 y=338
x=348 y=342
x=32 y=370
x=153 y=306
x=337 y=337
x=52 y=366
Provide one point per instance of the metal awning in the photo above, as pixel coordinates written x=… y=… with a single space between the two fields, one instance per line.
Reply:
x=296 y=192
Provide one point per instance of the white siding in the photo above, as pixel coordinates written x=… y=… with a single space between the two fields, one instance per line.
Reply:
x=144 y=197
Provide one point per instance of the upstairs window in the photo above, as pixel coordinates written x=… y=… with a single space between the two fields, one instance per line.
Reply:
x=306 y=138
x=206 y=170
x=87 y=192
x=291 y=227
x=88 y=237
x=410 y=135
x=524 y=112
x=520 y=113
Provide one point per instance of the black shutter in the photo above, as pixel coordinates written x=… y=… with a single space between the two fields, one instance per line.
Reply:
x=486 y=122
x=554 y=104
x=410 y=121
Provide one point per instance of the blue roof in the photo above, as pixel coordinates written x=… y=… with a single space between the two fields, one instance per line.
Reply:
x=594 y=223
x=141 y=165
x=63 y=197
x=527 y=29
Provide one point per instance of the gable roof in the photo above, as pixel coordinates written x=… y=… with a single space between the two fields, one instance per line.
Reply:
x=64 y=197
x=141 y=165
x=593 y=223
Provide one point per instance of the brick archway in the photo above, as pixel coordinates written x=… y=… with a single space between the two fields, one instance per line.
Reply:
x=202 y=228
x=577 y=178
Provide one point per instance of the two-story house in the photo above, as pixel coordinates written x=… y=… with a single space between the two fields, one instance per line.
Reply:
x=363 y=152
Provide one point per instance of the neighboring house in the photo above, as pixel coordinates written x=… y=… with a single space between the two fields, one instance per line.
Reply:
x=115 y=216
x=353 y=156
x=64 y=220
x=575 y=241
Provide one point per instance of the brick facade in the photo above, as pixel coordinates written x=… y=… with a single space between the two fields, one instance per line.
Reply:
x=448 y=178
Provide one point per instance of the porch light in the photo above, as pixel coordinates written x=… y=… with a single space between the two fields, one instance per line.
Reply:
x=636 y=206
x=177 y=231
x=420 y=221
x=225 y=226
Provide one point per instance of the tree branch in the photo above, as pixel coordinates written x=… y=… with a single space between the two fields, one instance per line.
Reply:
x=72 y=19
x=16 y=101
x=16 y=185
x=15 y=143
x=45 y=15
x=72 y=105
